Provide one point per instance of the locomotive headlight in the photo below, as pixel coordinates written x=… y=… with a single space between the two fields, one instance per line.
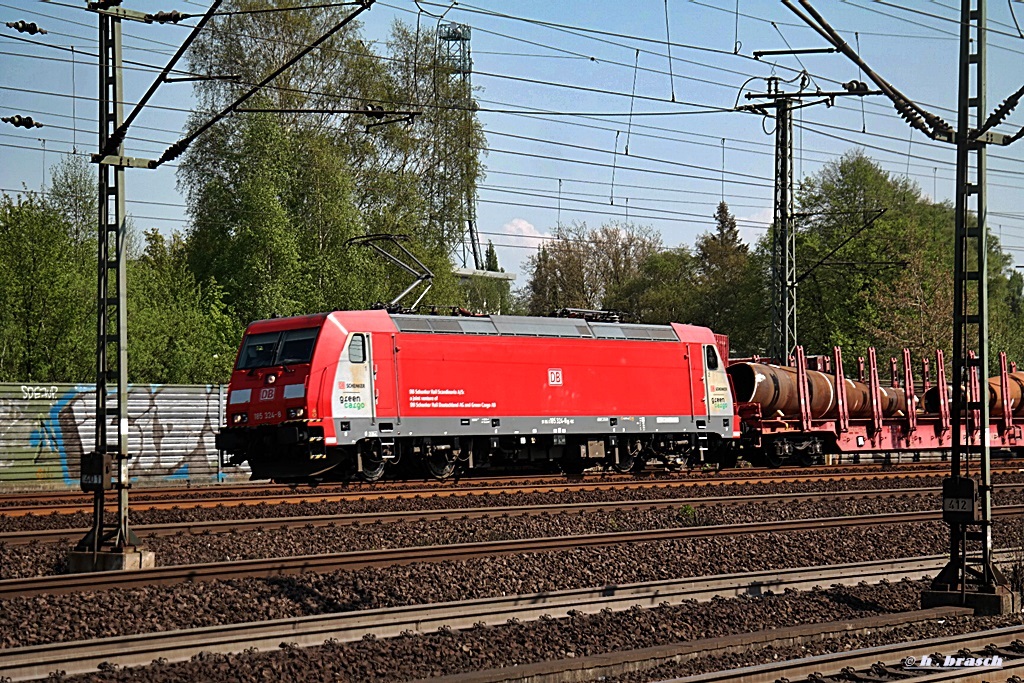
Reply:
x=271 y=378
x=294 y=413
x=239 y=418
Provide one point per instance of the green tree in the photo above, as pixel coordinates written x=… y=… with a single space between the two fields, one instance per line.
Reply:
x=312 y=181
x=241 y=235
x=487 y=294
x=848 y=264
x=661 y=291
x=583 y=268
x=728 y=295
x=43 y=332
x=889 y=283
x=180 y=329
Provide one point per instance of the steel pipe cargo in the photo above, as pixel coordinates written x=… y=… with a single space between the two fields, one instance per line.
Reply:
x=774 y=388
x=1015 y=385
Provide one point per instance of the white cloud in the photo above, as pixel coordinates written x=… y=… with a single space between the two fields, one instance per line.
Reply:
x=751 y=234
x=524 y=230
x=518 y=242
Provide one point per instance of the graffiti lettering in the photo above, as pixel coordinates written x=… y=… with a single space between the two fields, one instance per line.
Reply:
x=46 y=393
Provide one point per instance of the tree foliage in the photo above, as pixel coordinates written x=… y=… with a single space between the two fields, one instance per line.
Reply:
x=45 y=330
x=180 y=330
x=487 y=294
x=302 y=184
x=583 y=267
x=890 y=284
x=728 y=293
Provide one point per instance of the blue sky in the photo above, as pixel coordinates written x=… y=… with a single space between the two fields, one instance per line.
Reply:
x=580 y=57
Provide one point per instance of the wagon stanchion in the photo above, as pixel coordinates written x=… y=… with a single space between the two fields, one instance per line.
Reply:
x=908 y=392
x=943 y=389
x=875 y=389
x=842 y=400
x=974 y=408
x=1004 y=392
x=802 y=391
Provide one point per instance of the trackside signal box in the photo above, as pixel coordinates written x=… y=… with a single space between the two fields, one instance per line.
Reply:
x=960 y=501
x=97 y=472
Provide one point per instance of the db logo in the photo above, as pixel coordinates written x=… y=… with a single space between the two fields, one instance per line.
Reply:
x=555 y=377
x=267 y=394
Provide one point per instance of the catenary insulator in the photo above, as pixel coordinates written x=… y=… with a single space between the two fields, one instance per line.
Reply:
x=25 y=27
x=21 y=121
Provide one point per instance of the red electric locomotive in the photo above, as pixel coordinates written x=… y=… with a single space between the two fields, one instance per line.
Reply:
x=334 y=395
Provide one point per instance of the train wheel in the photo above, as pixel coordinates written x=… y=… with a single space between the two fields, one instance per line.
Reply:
x=438 y=464
x=774 y=460
x=373 y=461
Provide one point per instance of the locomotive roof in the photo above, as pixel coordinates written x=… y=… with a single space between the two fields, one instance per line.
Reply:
x=519 y=326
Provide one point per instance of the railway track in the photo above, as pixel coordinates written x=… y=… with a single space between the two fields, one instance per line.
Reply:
x=188 y=494
x=81 y=657
x=34 y=507
x=262 y=568
x=243 y=525
x=888 y=662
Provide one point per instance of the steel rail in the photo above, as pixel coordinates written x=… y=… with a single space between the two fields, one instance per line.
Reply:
x=80 y=657
x=242 y=525
x=563 y=486
x=267 y=567
x=43 y=495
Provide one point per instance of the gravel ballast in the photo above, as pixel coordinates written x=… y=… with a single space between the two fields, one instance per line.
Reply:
x=448 y=652
x=77 y=616
x=20 y=561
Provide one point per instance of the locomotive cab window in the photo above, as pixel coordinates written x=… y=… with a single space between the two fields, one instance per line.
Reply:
x=297 y=346
x=711 y=354
x=268 y=349
x=357 y=349
x=259 y=350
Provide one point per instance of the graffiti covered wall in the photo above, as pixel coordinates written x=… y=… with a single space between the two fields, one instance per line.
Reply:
x=44 y=429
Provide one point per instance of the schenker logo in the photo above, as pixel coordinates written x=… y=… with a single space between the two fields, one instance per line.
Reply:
x=946 y=662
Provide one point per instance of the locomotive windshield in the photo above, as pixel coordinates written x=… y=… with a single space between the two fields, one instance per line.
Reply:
x=290 y=347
